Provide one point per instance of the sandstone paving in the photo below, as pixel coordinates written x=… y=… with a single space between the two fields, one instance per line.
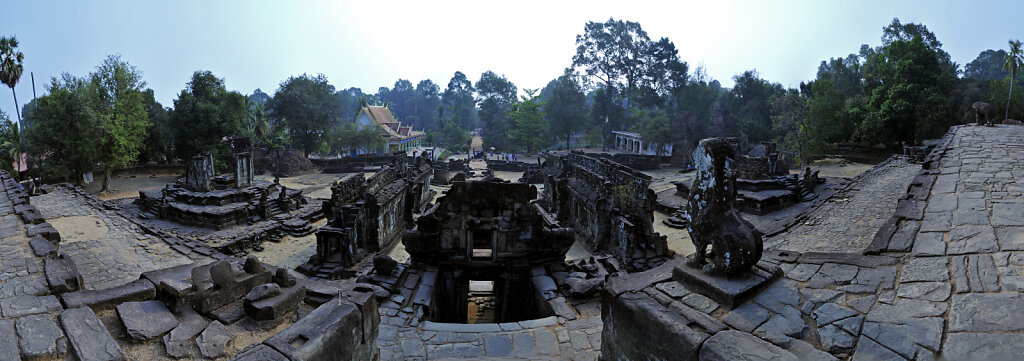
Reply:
x=848 y=221
x=118 y=253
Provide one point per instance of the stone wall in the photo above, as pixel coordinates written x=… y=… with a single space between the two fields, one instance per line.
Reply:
x=367 y=216
x=609 y=206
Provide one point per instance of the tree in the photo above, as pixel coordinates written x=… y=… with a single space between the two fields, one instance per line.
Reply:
x=10 y=144
x=159 y=142
x=452 y=136
x=495 y=95
x=528 y=126
x=987 y=66
x=565 y=107
x=748 y=101
x=11 y=67
x=1014 y=58
x=400 y=99
x=205 y=112
x=121 y=114
x=654 y=128
x=306 y=104
x=64 y=129
x=907 y=83
x=789 y=119
x=699 y=96
x=622 y=56
x=349 y=102
x=427 y=101
x=356 y=139
x=258 y=97
x=459 y=105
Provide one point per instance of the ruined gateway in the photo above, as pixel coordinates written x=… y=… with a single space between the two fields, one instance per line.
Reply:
x=906 y=261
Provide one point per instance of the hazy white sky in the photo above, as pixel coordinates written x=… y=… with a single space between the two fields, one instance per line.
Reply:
x=368 y=44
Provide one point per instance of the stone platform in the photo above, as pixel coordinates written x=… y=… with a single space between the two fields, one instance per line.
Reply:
x=727 y=291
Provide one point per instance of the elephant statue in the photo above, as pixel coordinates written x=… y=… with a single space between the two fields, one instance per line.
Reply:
x=984 y=113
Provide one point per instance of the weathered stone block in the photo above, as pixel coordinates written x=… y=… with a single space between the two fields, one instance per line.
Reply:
x=89 y=339
x=29 y=305
x=214 y=340
x=147 y=319
x=8 y=341
x=42 y=247
x=272 y=307
x=106 y=299
x=260 y=352
x=336 y=323
x=727 y=291
x=62 y=275
x=39 y=336
x=738 y=346
x=638 y=328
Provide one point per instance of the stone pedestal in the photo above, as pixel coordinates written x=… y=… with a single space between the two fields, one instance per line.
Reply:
x=727 y=291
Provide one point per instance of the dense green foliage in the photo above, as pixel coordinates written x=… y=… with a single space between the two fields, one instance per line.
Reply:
x=904 y=90
x=204 y=114
x=529 y=130
x=495 y=96
x=306 y=105
x=351 y=139
x=565 y=107
x=10 y=143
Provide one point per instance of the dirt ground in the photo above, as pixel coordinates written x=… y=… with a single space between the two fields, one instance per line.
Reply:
x=129 y=186
x=79 y=228
x=290 y=252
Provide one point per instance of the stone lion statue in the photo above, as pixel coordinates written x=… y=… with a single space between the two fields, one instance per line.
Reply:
x=713 y=221
x=984 y=113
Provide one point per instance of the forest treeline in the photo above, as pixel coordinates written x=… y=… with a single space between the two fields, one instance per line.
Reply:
x=903 y=90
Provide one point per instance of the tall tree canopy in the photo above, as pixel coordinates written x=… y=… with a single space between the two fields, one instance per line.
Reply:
x=565 y=107
x=907 y=84
x=119 y=105
x=427 y=100
x=495 y=95
x=529 y=130
x=204 y=113
x=308 y=107
x=633 y=69
x=458 y=102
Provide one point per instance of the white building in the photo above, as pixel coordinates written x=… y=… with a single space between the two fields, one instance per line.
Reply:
x=632 y=143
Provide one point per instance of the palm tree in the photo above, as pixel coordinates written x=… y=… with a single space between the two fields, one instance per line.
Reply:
x=10 y=72
x=1014 y=59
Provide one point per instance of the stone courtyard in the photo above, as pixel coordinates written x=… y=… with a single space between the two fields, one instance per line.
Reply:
x=907 y=261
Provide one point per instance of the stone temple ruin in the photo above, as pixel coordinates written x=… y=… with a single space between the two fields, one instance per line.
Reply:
x=906 y=261
x=487 y=231
x=366 y=216
x=609 y=207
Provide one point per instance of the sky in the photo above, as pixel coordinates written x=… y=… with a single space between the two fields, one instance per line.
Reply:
x=369 y=44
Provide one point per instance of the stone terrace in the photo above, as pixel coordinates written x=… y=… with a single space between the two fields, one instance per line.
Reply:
x=946 y=281
x=119 y=255
x=847 y=221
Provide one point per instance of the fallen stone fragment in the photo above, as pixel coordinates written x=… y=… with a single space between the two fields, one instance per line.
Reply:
x=147 y=319
x=39 y=336
x=214 y=340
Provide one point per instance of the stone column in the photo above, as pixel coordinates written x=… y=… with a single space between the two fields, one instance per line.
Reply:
x=210 y=172
x=243 y=169
x=197 y=174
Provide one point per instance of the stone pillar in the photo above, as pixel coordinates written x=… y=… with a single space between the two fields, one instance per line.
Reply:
x=210 y=172
x=197 y=174
x=243 y=169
